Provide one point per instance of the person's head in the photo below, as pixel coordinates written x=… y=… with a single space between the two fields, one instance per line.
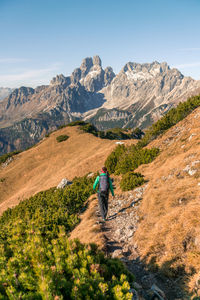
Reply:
x=104 y=170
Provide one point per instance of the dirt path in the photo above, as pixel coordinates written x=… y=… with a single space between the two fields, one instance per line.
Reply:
x=119 y=232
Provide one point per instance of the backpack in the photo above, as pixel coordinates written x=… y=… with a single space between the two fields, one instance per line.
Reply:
x=104 y=184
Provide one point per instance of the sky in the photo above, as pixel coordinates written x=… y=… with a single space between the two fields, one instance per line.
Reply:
x=42 y=38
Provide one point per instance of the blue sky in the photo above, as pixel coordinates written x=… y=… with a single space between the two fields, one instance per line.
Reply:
x=42 y=38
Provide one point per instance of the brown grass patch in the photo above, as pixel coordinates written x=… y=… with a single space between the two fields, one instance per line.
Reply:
x=168 y=235
x=44 y=165
x=88 y=231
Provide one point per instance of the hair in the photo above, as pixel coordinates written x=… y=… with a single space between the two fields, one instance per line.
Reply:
x=104 y=169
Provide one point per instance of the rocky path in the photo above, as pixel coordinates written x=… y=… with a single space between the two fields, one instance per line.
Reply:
x=119 y=229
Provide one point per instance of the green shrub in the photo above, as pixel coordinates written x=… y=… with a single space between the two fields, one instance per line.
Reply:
x=60 y=269
x=117 y=134
x=62 y=138
x=37 y=261
x=170 y=119
x=137 y=133
x=133 y=157
x=131 y=180
x=49 y=209
x=113 y=158
x=125 y=159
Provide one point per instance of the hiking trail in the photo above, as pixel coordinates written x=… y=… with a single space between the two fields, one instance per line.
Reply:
x=119 y=229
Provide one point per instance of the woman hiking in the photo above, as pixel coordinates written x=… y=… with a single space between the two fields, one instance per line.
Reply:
x=104 y=185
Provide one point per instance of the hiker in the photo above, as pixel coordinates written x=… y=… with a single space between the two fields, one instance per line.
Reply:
x=104 y=185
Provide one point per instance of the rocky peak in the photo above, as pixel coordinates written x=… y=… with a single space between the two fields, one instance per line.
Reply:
x=147 y=71
x=76 y=76
x=60 y=79
x=97 y=60
x=20 y=96
x=108 y=75
x=86 y=65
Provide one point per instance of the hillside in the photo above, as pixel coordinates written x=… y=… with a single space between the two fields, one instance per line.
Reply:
x=155 y=229
x=168 y=232
x=44 y=165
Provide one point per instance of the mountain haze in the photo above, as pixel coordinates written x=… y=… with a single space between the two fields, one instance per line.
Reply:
x=4 y=92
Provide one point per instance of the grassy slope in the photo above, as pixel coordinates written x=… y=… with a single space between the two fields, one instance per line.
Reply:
x=169 y=231
x=44 y=165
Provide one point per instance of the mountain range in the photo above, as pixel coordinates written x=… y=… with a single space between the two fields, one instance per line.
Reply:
x=135 y=97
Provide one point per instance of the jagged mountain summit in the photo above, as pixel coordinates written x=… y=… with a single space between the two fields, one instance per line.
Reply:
x=141 y=93
x=68 y=96
x=137 y=96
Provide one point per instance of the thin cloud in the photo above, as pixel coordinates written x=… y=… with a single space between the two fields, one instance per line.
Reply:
x=34 y=76
x=12 y=60
x=188 y=65
x=190 y=49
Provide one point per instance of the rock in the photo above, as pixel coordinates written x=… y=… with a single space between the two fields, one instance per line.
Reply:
x=158 y=292
x=192 y=172
x=191 y=136
x=97 y=60
x=116 y=253
x=147 y=281
x=119 y=143
x=64 y=182
x=86 y=65
x=137 y=286
x=108 y=75
x=7 y=162
x=130 y=233
x=60 y=80
x=90 y=175
x=76 y=76
x=187 y=168
x=135 y=294
x=195 y=162
x=198 y=183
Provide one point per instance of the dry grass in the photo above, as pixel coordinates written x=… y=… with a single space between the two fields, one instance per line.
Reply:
x=88 y=231
x=169 y=232
x=44 y=165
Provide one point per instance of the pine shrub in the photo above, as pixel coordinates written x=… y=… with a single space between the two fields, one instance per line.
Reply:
x=62 y=138
x=37 y=261
x=170 y=119
x=131 y=180
x=113 y=158
x=133 y=157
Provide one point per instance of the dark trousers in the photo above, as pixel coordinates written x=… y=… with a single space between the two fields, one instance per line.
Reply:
x=103 y=204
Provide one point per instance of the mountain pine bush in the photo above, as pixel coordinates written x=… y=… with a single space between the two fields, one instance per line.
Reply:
x=125 y=159
x=113 y=158
x=62 y=138
x=131 y=180
x=37 y=261
x=170 y=119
